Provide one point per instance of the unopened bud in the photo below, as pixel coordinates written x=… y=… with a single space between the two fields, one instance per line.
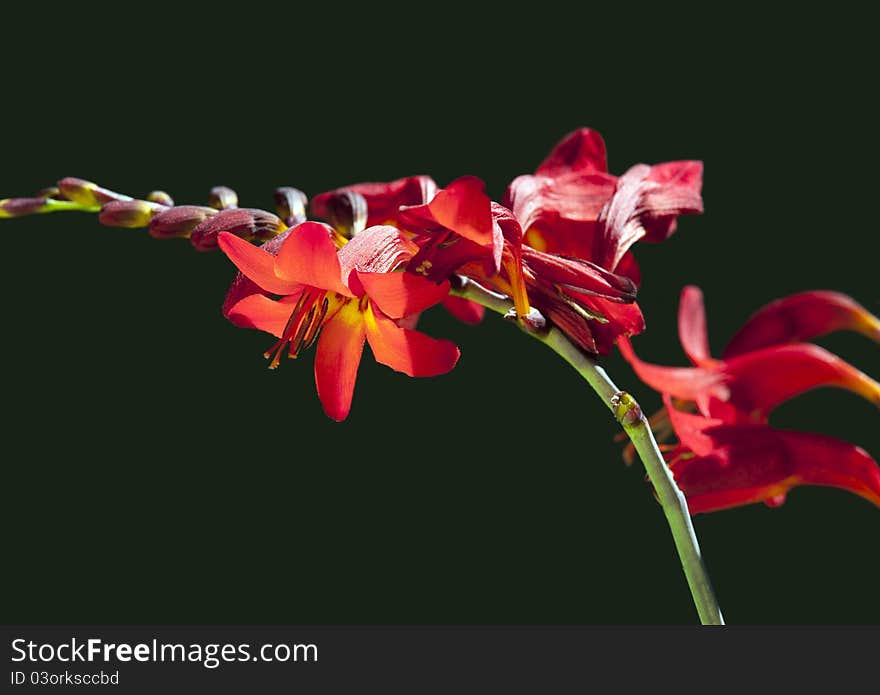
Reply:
x=179 y=221
x=160 y=197
x=88 y=193
x=250 y=224
x=223 y=198
x=129 y=213
x=18 y=207
x=346 y=211
x=291 y=203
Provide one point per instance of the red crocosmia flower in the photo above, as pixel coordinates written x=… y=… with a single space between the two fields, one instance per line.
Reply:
x=347 y=296
x=719 y=465
x=747 y=386
x=572 y=206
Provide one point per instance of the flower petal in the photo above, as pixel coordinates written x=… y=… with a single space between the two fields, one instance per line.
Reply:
x=462 y=207
x=754 y=463
x=337 y=358
x=464 y=310
x=802 y=316
x=264 y=314
x=582 y=150
x=308 y=257
x=241 y=285
x=692 y=326
x=410 y=352
x=689 y=383
x=645 y=204
x=255 y=263
x=378 y=249
x=402 y=294
x=761 y=380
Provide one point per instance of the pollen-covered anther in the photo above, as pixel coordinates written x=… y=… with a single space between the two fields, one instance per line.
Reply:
x=302 y=327
x=423 y=268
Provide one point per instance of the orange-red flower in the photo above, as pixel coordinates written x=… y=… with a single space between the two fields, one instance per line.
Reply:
x=346 y=296
x=727 y=453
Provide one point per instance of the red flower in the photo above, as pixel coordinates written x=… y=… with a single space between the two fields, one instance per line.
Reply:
x=347 y=296
x=727 y=454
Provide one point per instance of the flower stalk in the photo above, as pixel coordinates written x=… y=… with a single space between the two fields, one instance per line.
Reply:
x=629 y=415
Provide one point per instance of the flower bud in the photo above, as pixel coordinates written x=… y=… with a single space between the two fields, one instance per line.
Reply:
x=290 y=203
x=346 y=211
x=129 y=213
x=88 y=193
x=161 y=197
x=18 y=207
x=223 y=198
x=179 y=221
x=250 y=224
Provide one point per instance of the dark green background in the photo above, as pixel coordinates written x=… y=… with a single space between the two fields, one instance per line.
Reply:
x=156 y=471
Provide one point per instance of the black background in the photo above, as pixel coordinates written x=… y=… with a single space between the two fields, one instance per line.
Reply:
x=156 y=471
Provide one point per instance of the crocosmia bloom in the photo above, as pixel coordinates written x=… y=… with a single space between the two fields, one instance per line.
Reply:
x=340 y=298
x=727 y=453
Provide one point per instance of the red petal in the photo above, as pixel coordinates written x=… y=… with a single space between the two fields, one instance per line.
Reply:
x=689 y=383
x=308 y=257
x=582 y=150
x=255 y=263
x=464 y=208
x=645 y=203
x=681 y=183
x=761 y=380
x=337 y=359
x=242 y=286
x=402 y=294
x=692 y=326
x=754 y=463
x=800 y=317
x=691 y=428
x=264 y=314
x=379 y=249
x=464 y=310
x=410 y=352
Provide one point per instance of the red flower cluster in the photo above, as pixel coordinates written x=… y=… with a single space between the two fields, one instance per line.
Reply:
x=728 y=455
x=560 y=244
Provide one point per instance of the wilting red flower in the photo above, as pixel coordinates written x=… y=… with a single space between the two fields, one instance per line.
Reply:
x=746 y=386
x=727 y=455
x=347 y=297
x=571 y=206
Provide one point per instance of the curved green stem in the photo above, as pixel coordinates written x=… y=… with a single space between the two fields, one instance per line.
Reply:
x=634 y=423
